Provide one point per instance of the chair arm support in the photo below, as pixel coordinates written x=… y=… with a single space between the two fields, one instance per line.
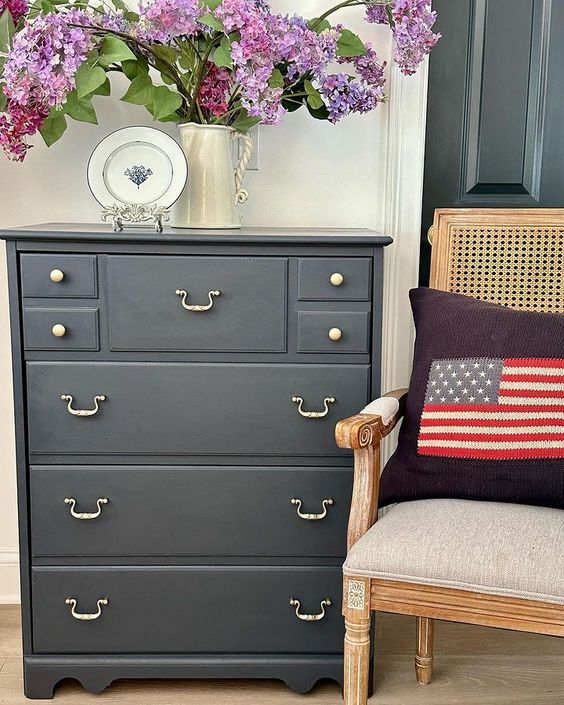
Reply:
x=363 y=434
x=368 y=429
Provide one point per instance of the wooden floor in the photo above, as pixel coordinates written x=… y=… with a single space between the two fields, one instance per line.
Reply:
x=473 y=665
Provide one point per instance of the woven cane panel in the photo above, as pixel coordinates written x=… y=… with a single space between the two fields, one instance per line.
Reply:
x=520 y=267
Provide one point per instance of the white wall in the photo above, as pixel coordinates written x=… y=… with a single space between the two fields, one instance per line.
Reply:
x=311 y=174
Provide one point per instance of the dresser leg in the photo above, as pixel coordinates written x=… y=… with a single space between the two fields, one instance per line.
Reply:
x=38 y=685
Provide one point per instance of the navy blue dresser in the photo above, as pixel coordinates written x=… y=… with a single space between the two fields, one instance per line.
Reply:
x=183 y=505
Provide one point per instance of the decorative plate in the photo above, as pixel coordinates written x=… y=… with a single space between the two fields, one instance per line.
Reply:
x=137 y=165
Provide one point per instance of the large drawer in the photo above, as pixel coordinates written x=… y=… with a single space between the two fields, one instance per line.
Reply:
x=189 y=511
x=190 y=409
x=147 y=313
x=186 y=610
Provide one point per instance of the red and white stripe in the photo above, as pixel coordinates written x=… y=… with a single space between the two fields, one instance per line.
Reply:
x=527 y=421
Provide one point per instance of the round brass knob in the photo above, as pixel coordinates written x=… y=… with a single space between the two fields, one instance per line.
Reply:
x=57 y=276
x=335 y=334
x=336 y=279
x=58 y=330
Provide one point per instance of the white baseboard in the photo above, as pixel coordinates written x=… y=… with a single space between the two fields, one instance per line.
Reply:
x=9 y=577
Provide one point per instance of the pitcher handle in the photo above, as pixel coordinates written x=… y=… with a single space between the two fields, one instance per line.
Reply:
x=246 y=154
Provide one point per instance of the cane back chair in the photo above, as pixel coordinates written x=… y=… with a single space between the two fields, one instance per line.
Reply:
x=506 y=256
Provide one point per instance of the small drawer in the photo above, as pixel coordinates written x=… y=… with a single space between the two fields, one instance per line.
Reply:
x=189 y=511
x=60 y=328
x=215 y=304
x=59 y=276
x=186 y=609
x=334 y=332
x=338 y=279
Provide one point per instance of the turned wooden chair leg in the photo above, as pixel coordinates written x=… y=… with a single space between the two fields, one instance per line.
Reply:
x=357 y=659
x=424 y=650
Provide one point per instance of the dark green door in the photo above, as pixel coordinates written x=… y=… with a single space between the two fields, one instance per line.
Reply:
x=495 y=119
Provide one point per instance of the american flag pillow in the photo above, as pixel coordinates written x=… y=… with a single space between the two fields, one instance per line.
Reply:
x=484 y=416
x=494 y=409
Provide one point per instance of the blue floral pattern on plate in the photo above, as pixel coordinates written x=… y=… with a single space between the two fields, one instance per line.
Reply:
x=138 y=174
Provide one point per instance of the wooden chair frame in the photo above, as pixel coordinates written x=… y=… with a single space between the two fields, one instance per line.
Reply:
x=363 y=434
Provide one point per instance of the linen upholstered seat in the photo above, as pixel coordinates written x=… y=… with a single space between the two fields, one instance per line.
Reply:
x=486 y=547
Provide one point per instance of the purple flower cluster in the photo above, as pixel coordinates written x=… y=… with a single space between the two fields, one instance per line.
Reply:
x=17 y=8
x=345 y=94
x=269 y=40
x=44 y=58
x=412 y=30
x=16 y=123
x=163 y=20
x=38 y=74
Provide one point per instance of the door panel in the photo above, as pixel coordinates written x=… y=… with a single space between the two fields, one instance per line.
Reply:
x=494 y=136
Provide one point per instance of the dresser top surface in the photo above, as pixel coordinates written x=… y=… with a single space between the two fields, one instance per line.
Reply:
x=101 y=232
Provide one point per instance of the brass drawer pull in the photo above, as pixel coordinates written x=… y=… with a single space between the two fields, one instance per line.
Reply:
x=337 y=279
x=311 y=517
x=59 y=330
x=197 y=309
x=335 y=334
x=86 y=515
x=310 y=617
x=313 y=414
x=83 y=412
x=85 y=617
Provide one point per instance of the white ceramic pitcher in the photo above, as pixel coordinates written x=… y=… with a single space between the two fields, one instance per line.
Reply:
x=213 y=193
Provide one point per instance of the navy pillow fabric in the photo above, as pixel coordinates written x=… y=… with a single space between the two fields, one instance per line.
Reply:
x=485 y=410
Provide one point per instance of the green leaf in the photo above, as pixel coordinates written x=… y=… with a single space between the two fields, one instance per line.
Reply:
x=165 y=102
x=350 y=44
x=114 y=51
x=165 y=52
x=244 y=122
x=140 y=91
x=167 y=79
x=318 y=113
x=7 y=30
x=292 y=105
x=119 y=5
x=46 y=7
x=222 y=55
x=3 y=99
x=314 y=99
x=276 y=79
x=80 y=109
x=104 y=89
x=133 y=68
x=319 y=26
x=212 y=4
x=88 y=79
x=212 y=21
x=54 y=127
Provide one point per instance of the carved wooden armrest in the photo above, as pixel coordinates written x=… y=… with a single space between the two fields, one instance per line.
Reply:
x=363 y=433
x=368 y=429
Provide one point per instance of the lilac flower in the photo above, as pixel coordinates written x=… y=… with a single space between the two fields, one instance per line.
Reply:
x=368 y=67
x=17 y=8
x=43 y=61
x=377 y=14
x=345 y=95
x=16 y=124
x=215 y=90
x=162 y=20
x=412 y=30
x=39 y=72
